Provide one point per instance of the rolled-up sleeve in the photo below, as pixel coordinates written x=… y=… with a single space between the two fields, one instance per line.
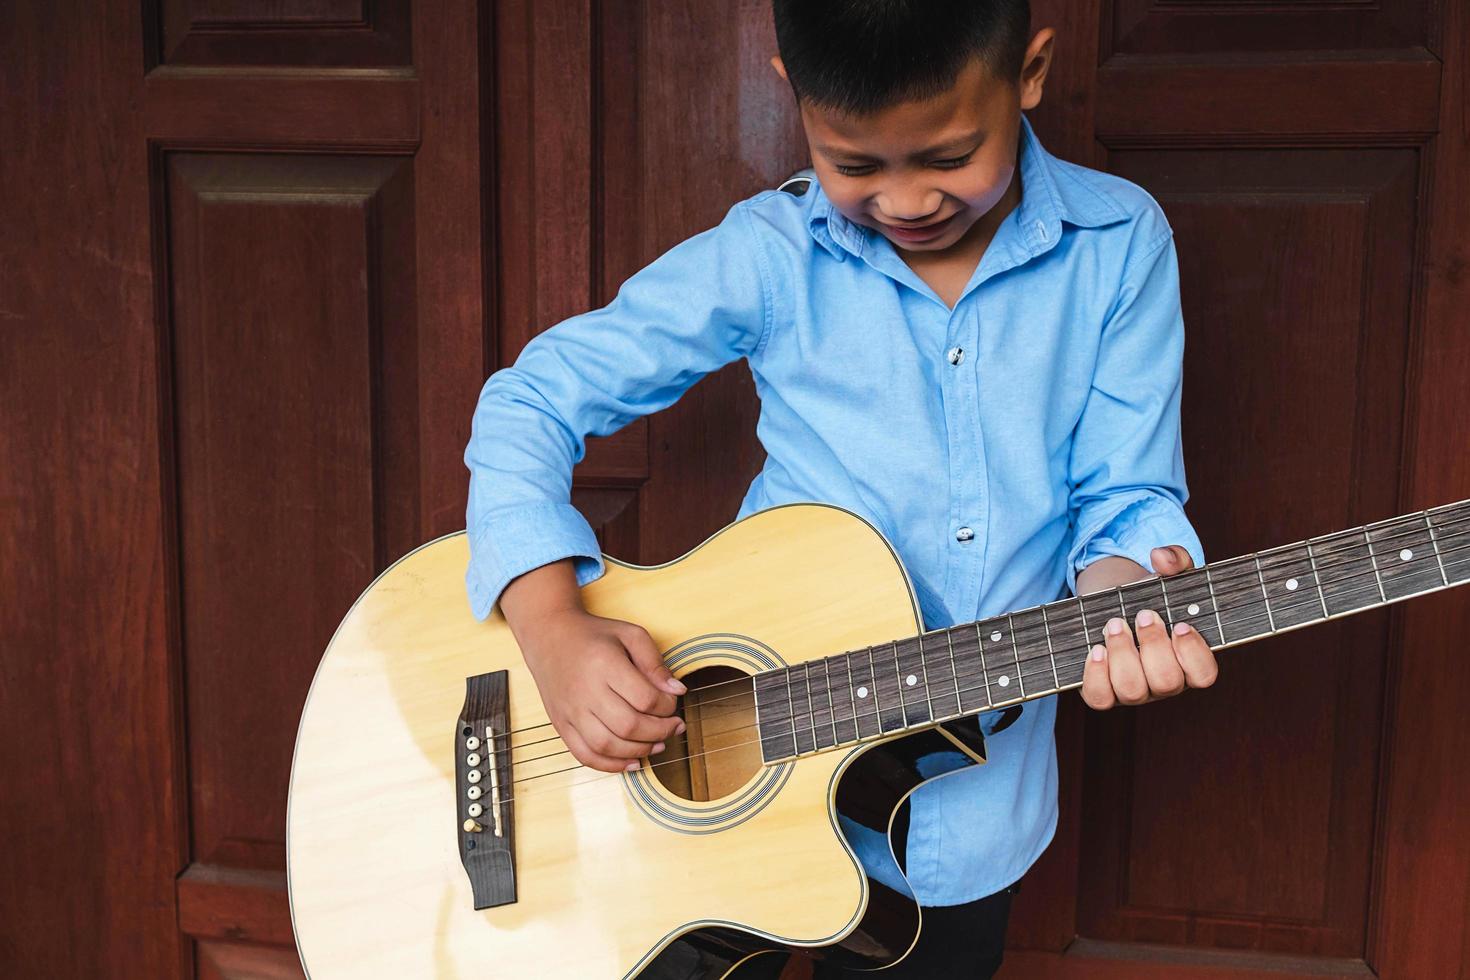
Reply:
x=1127 y=464
x=699 y=306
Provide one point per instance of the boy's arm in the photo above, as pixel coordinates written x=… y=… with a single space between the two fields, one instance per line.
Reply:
x=1128 y=491
x=701 y=305
x=1127 y=467
x=602 y=681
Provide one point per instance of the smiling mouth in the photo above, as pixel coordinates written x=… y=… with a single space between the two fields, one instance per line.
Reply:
x=915 y=233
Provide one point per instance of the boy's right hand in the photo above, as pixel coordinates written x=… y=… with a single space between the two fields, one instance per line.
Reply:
x=604 y=685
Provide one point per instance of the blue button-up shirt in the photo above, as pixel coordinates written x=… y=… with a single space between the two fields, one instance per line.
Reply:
x=1001 y=445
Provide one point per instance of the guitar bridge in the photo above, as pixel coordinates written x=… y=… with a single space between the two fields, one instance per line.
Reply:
x=485 y=815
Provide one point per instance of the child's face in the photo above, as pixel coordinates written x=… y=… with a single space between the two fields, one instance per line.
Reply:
x=923 y=172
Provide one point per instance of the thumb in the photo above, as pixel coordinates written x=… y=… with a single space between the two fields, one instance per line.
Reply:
x=647 y=658
x=1171 y=560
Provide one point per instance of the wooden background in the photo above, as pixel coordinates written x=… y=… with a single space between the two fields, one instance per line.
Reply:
x=258 y=257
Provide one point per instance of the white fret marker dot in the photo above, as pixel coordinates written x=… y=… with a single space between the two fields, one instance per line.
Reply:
x=862 y=692
x=911 y=680
x=1004 y=680
x=1405 y=555
x=1291 y=584
x=1193 y=609
x=995 y=637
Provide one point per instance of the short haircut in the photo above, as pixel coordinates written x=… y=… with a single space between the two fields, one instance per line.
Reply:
x=859 y=56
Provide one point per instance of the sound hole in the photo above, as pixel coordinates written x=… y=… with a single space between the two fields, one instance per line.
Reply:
x=719 y=752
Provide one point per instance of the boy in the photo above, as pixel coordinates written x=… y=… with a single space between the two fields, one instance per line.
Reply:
x=968 y=342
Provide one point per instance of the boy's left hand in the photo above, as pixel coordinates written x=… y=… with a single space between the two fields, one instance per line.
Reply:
x=1162 y=663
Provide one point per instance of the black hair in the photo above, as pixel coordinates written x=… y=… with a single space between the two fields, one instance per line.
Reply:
x=859 y=56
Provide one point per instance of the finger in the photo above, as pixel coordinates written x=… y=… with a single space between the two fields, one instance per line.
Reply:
x=1097 y=691
x=648 y=658
x=634 y=687
x=1125 y=672
x=595 y=760
x=1171 y=560
x=1156 y=651
x=1195 y=656
x=625 y=721
x=604 y=741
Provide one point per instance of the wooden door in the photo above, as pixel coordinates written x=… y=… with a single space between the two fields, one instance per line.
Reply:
x=243 y=321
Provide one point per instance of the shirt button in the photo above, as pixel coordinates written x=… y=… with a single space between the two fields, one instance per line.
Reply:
x=964 y=534
x=956 y=354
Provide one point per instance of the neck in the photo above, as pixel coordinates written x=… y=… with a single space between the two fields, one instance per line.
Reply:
x=916 y=681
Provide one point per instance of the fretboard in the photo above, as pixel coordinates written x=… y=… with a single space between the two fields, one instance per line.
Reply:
x=916 y=681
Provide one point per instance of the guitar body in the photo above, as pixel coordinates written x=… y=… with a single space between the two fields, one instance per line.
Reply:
x=615 y=875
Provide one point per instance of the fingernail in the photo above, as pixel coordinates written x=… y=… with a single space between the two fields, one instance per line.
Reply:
x=680 y=728
x=1181 y=628
x=1147 y=618
x=1115 y=626
x=633 y=766
x=677 y=686
x=657 y=749
x=1099 y=651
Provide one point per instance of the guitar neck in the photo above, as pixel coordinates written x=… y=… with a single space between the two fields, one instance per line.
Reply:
x=991 y=663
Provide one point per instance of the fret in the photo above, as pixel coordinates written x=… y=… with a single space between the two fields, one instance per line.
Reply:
x=1239 y=590
x=939 y=674
x=912 y=689
x=1450 y=527
x=844 y=706
x=1051 y=650
x=1028 y=640
x=1138 y=596
x=969 y=668
x=1189 y=598
x=1434 y=543
x=1262 y=576
x=860 y=664
x=1315 y=574
x=1210 y=586
x=1292 y=595
x=1097 y=609
x=1373 y=560
x=1028 y=643
x=1345 y=572
x=886 y=688
x=773 y=715
x=1002 y=665
x=1069 y=644
x=1403 y=553
x=801 y=710
x=820 y=683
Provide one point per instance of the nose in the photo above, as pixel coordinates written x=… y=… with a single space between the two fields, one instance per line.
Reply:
x=904 y=205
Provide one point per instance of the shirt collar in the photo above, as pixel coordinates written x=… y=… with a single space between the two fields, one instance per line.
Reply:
x=1050 y=195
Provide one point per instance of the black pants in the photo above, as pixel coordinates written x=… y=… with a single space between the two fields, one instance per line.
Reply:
x=963 y=942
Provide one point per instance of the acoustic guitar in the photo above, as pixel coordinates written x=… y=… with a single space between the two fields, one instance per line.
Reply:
x=438 y=827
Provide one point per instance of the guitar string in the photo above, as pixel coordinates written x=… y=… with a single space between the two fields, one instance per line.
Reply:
x=1030 y=633
x=876 y=713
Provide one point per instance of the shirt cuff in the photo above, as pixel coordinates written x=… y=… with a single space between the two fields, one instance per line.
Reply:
x=511 y=542
x=1136 y=524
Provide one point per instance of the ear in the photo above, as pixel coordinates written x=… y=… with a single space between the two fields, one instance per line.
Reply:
x=780 y=67
x=1035 y=66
